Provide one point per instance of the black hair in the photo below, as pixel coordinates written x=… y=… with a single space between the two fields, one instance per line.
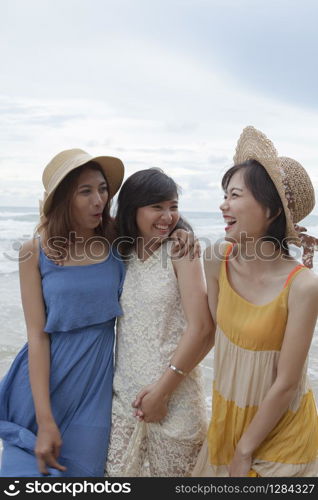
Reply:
x=145 y=187
x=264 y=191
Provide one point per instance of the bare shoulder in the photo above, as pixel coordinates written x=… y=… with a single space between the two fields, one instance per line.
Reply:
x=305 y=286
x=213 y=257
x=29 y=251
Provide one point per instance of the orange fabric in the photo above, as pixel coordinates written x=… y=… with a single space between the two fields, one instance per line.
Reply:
x=291 y=274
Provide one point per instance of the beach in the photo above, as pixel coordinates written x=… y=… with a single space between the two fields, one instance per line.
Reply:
x=17 y=224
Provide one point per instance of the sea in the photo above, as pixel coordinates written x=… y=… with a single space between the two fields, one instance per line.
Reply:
x=17 y=224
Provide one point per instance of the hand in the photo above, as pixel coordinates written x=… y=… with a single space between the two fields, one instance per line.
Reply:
x=240 y=464
x=150 y=404
x=185 y=244
x=47 y=447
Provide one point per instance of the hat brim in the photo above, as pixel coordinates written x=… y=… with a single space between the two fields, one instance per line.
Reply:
x=254 y=145
x=112 y=168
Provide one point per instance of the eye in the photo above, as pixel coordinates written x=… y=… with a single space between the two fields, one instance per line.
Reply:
x=85 y=191
x=234 y=194
x=103 y=189
x=174 y=207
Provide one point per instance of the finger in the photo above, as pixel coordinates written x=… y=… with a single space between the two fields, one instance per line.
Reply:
x=180 y=251
x=56 y=450
x=42 y=466
x=139 y=397
x=175 y=246
x=52 y=462
x=191 y=239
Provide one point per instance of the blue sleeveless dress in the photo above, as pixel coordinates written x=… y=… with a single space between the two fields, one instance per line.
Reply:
x=82 y=303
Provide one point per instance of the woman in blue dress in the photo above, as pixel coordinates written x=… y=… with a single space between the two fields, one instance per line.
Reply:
x=55 y=401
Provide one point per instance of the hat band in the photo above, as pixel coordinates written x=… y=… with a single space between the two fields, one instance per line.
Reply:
x=66 y=168
x=288 y=192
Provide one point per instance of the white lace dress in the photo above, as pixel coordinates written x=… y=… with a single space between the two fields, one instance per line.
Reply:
x=147 y=336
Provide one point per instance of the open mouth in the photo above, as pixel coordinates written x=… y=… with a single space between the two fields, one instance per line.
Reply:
x=229 y=222
x=162 y=228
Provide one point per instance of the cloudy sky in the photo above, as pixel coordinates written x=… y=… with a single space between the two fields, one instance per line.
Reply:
x=167 y=83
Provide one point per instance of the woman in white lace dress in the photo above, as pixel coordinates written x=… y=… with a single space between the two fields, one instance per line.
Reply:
x=164 y=333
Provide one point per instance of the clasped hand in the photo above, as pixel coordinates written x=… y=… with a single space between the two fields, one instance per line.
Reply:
x=240 y=464
x=150 y=405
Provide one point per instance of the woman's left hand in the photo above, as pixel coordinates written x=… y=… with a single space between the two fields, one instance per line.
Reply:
x=185 y=243
x=150 y=404
x=240 y=464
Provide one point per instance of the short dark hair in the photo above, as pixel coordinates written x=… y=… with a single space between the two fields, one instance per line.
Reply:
x=264 y=191
x=142 y=188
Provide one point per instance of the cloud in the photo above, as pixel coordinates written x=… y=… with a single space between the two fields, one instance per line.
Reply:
x=172 y=87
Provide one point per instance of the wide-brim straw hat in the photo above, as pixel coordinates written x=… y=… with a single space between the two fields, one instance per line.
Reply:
x=289 y=177
x=66 y=161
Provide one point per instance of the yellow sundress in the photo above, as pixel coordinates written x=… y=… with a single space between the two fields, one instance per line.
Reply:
x=247 y=347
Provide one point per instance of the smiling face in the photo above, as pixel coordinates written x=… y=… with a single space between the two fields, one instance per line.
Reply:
x=244 y=216
x=157 y=220
x=89 y=200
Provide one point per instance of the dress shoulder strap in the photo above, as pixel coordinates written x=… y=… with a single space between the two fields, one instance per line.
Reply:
x=292 y=274
x=227 y=253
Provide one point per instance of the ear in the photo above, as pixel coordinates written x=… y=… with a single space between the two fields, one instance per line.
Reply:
x=273 y=217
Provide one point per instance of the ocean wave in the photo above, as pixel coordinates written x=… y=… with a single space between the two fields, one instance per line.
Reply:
x=19 y=217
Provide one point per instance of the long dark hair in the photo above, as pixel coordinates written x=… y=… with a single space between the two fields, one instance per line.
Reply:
x=264 y=191
x=145 y=187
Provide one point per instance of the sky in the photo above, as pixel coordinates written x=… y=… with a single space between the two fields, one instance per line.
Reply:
x=165 y=83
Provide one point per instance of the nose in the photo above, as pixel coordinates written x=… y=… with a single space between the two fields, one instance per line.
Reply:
x=224 y=205
x=97 y=200
x=166 y=216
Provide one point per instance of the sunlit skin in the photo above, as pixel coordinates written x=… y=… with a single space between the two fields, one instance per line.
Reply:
x=88 y=202
x=257 y=273
x=243 y=214
x=156 y=221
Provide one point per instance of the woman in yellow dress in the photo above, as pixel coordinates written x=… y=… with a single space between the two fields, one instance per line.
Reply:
x=264 y=302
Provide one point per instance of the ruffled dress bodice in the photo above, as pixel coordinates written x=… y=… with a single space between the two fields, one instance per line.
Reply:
x=78 y=296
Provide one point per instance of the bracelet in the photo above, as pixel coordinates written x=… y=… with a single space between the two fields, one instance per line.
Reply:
x=175 y=369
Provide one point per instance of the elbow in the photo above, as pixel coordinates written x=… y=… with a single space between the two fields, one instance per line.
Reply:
x=286 y=389
x=203 y=330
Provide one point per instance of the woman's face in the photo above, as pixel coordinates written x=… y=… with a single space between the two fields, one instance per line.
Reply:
x=89 y=200
x=244 y=216
x=157 y=220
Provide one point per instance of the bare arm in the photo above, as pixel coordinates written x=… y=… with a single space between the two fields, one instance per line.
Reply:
x=194 y=344
x=212 y=263
x=48 y=439
x=303 y=307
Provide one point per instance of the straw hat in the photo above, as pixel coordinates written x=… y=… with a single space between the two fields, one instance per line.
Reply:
x=66 y=161
x=290 y=178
